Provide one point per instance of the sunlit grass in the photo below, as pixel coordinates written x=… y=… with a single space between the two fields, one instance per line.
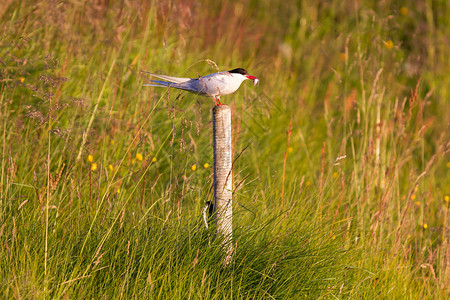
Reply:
x=341 y=155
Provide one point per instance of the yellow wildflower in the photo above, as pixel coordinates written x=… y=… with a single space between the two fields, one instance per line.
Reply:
x=139 y=156
x=335 y=174
x=118 y=191
x=111 y=168
x=448 y=164
x=206 y=166
x=154 y=159
x=94 y=167
x=90 y=158
x=425 y=226
x=290 y=149
x=133 y=161
x=22 y=79
x=417 y=203
x=389 y=44
x=194 y=167
x=308 y=183
x=413 y=196
x=446 y=198
x=404 y=11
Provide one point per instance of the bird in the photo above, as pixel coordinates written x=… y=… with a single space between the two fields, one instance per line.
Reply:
x=213 y=85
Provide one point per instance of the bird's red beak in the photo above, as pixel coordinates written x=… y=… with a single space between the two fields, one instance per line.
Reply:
x=255 y=79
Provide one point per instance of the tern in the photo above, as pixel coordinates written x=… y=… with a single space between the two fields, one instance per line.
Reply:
x=213 y=85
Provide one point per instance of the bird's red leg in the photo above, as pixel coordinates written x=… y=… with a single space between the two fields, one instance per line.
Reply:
x=218 y=99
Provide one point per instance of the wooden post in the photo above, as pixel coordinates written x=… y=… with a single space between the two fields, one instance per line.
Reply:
x=223 y=174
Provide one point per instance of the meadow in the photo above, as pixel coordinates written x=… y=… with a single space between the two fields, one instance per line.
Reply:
x=341 y=155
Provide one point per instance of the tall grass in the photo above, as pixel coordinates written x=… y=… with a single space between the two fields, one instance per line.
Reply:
x=341 y=172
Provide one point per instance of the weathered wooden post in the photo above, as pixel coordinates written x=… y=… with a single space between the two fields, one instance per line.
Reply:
x=223 y=174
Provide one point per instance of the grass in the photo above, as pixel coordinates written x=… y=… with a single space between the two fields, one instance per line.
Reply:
x=342 y=170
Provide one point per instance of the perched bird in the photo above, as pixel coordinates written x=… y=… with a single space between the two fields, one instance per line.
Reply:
x=213 y=85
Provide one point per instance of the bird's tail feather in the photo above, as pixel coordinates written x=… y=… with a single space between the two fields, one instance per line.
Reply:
x=180 y=86
x=158 y=85
x=163 y=84
x=169 y=78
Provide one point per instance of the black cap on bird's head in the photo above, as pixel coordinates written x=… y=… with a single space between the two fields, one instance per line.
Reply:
x=239 y=71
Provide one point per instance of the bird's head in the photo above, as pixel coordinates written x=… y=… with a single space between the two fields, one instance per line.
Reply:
x=246 y=75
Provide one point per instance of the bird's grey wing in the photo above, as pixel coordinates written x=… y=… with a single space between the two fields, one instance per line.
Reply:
x=209 y=85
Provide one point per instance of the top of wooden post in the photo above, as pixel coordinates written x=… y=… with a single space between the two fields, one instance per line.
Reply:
x=221 y=108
